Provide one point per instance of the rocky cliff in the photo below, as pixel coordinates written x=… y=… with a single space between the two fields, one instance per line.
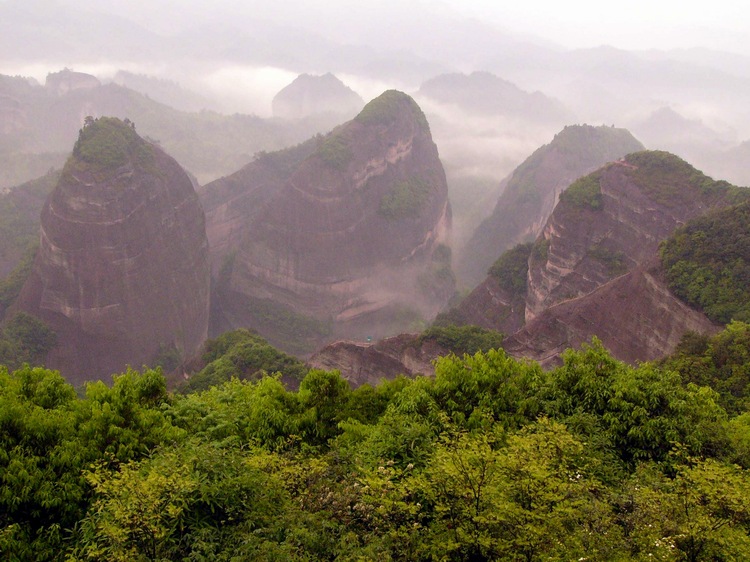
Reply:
x=595 y=271
x=532 y=190
x=612 y=220
x=636 y=317
x=121 y=274
x=311 y=95
x=344 y=234
x=364 y=363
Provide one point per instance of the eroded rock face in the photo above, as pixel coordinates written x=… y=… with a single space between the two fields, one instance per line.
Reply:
x=122 y=270
x=348 y=230
x=611 y=221
x=532 y=191
x=363 y=363
x=595 y=269
x=636 y=317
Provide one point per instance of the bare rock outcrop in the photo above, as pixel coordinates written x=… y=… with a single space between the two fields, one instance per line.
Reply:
x=610 y=221
x=342 y=236
x=635 y=316
x=122 y=272
x=532 y=190
x=595 y=269
x=364 y=363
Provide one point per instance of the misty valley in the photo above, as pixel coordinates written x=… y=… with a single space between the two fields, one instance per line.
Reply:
x=284 y=294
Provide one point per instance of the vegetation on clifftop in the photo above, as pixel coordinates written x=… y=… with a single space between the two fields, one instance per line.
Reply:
x=708 y=263
x=463 y=339
x=669 y=180
x=107 y=143
x=386 y=109
x=512 y=268
x=585 y=193
x=243 y=355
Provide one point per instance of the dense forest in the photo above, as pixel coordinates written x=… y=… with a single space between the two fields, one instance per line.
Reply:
x=492 y=459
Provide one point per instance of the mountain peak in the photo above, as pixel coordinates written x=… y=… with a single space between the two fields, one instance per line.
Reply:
x=107 y=143
x=391 y=106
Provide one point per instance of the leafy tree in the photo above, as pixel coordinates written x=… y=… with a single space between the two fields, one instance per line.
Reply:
x=245 y=355
x=462 y=339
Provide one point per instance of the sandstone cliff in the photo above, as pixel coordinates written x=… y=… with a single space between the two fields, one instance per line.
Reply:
x=636 y=317
x=362 y=363
x=122 y=270
x=343 y=235
x=532 y=190
x=612 y=220
x=595 y=271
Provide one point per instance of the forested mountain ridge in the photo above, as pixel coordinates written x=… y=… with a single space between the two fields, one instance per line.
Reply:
x=345 y=234
x=121 y=274
x=41 y=122
x=532 y=190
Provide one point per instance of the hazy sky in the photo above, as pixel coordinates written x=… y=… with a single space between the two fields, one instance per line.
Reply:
x=632 y=24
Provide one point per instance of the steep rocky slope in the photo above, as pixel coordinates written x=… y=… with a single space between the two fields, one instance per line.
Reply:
x=614 y=219
x=595 y=271
x=635 y=316
x=532 y=191
x=121 y=274
x=342 y=235
x=312 y=95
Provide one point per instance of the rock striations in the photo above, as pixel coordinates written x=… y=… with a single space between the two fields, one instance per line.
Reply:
x=342 y=235
x=595 y=270
x=121 y=274
x=532 y=191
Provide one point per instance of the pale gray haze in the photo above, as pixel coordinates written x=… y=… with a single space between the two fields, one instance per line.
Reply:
x=676 y=74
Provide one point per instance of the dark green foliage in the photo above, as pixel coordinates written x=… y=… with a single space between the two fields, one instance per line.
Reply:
x=11 y=286
x=670 y=181
x=708 y=263
x=19 y=232
x=168 y=358
x=613 y=261
x=107 y=143
x=298 y=333
x=512 y=268
x=49 y=437
x=405 y=199
x=334 y=150
x=643 y=412
x=721 y=362
x=463 y=339
x=492 y=459
x=584 y=193
x=387 y=108
x=25 y=339
x=243 y=355
x=540 y=249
